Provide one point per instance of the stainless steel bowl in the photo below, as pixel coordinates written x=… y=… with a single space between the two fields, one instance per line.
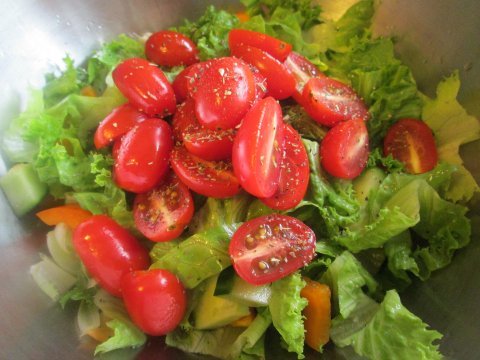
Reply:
x=434 y=37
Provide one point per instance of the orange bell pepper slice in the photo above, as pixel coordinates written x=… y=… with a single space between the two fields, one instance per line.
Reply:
x=242 y=16
x=72 y=215
x=317 y=313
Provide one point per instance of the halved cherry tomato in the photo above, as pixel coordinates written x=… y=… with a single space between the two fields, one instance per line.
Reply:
x=108 y=252
x=186 y=82
x=280 y=82
x=155 y=300
x=206 y=143
x=72 y=215
x=208 y=178
x=329 y=101
x=260 y=84
x=258 y=147
x=303 y=70
x=277 y=48
x=294 y=173
x=145 y=86
x=142 y=159
x=344 y=149
x=411 y=141
x=163 y=213
x=271 y=247
x=116 y=124
x=171 y=48
x=224 y=94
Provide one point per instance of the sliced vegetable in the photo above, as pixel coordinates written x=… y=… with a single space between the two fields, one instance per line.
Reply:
x=72 y=215
x=277 y=48
x=302 y=70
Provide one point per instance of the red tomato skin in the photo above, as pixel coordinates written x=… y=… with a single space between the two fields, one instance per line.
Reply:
x=329 y=102
x=260 y=84
x=302 y=70
x=257 y=148
x=208 y=144
x=163 y=213
x=108 y=252
x=271 y=247
x=186 y=83
x=277 y=48
x=171 y=48
x=145 y=86
x=116 y=124
x=344 y=149
x=411 y=141
x=294 y=173
x=209 y=178
x=224 y=94
x=280 y=82
x=142 y=158
x=155 y=299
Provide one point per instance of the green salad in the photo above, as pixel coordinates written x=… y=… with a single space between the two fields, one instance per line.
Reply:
x=374 y=233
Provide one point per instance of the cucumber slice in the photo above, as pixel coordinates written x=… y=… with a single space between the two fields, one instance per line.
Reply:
x=23 y=188
x=370 y=179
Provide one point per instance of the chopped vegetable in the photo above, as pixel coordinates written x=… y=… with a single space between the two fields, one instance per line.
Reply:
x=72 y=215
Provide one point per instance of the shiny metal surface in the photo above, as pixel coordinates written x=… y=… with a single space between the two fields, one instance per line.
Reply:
x=435 y=36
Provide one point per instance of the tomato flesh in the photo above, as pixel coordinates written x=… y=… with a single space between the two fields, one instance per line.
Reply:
x=294 y=173
x=271 y=247
x=142 y=158
x=411 y=141
x=224 y=94
x=116 y=124
x=209 y=178
x=302 y=70
x=329 y=101
x=277 y=48
x=145 y=86
x=163 y=213
x=344 y=149
x=108 y=252
x=257 y=148
x=280 y=82
x=155 y=299
x=200 y=141
x=171 y=48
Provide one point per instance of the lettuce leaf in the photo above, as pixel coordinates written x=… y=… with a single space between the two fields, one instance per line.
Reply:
x=286 y=307
x=452 y=127
x=210 y=32
x=125 y=334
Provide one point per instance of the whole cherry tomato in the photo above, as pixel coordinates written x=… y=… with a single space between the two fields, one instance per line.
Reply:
x=145 y=86
x=155 y=300
x=142 y=158
x=171 y=48
x=411 y=141
x=108 y=252
x=271 y=247
x=277 y=48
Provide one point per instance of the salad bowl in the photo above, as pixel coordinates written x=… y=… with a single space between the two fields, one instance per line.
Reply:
x=434 y=37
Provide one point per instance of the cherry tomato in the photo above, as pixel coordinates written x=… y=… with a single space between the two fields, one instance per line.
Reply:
x=163 y=213
x=155 y=300
x=208 y=178
x=302 y=70
x=271 y=247
x=225 y=93
x=142 y=159
x=280 y=82
x=171 y=48
x=294 y=173
x=116 y=124
x=260 y=84
x=411 y=141
x=329 y=101
x=257 y=148
x=108 y=252
x=277 y=48
x=206 y=143
x=145 y=86
x=344 y=149
x=186 y=82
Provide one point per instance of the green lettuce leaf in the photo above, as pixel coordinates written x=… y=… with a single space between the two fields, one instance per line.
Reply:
x=210 y=32
x=286 y=307
x=125 y=335
x=199 y=257
x=452 y=127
